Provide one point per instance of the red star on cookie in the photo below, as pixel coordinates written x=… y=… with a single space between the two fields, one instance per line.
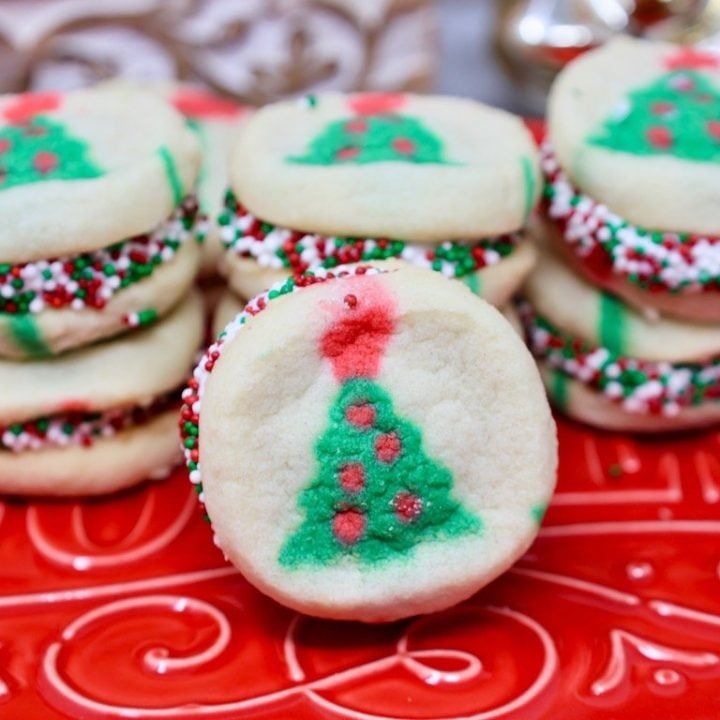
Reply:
x=376 y=103
x=22 y=108
x=690 y=58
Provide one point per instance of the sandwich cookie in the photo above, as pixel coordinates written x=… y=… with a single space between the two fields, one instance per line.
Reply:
x=606 y=364
x=97 y=216
x=632 y=171
x=215 y=121
x=99 y=418
x=397 y=447
x=442 y=183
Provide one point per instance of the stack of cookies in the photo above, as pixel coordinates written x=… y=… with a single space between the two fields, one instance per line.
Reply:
x=438 y=182
x=623 y=313
x=98 y=254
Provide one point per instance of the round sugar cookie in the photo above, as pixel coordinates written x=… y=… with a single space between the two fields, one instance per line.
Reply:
x=636 y=124
x=215 y=121
x=129 y=370
x=585 y=404
x=496 y=283
x=417 y=168
x=397 y=447
x=86 y=169
x=53 y=331
x=600 y=318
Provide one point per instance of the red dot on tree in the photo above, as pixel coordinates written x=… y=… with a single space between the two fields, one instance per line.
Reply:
x=347 y=153
x=361 y=415
x=713 y=128
x=387 y=447
x=4 y=145
x=660 y=137
x=684 y=83
x=45 y=162
x=357 y=125
x=348 y=526
x=662 y=108
x=407 y=507
x=352 y=477
x=404 y=146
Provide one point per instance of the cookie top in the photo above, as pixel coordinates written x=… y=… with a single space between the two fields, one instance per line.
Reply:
x=636 y=125
x=84 y=170
x=412 y=446
x=417 y=168
x=130 y=370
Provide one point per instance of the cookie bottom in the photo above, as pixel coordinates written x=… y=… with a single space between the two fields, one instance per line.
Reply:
x=698 y=307
x=109 y=464
x=578 y=401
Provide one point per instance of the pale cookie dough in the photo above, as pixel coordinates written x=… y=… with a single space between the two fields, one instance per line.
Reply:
x=374 y=445
x=420 y=168
x=52 y=331
x=100 y=418
x=600 y=318
x=636 y=124
x=87 y=169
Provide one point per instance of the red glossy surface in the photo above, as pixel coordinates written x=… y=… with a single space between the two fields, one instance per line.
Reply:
x=123 y=607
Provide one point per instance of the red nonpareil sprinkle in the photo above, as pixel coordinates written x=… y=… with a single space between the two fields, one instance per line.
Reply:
x=407 y=507
x=660 y=137
x=352 y=477
x=4 y=145
x=350 y=301
x=361 y=415
x=348 y=526
x=387 y=447
x=713 y=128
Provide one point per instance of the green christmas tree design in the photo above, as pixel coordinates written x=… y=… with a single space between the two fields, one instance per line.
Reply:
x=386 y=137
x=39 y=149
x=376 y=493
x=678 y=114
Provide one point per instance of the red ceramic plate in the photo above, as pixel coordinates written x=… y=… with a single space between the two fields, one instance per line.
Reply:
x=123 y=607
